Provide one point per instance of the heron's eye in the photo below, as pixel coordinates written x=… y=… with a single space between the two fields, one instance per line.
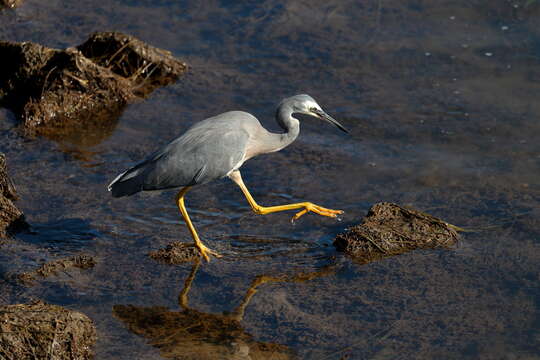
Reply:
x=313 y=110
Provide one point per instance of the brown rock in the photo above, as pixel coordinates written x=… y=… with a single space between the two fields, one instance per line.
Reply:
x=11 y=218
x=58 y=92
x=176 y=253
x=9 y=3
x=389 y=229
x=41 y=331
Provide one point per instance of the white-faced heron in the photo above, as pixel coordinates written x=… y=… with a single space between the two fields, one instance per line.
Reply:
x=215 y=148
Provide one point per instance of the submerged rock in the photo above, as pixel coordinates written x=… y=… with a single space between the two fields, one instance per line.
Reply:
x=389 y=229
x=11 y=218
x=53 y=267
x=176 y=253
x=58 y=92
x=42 y=331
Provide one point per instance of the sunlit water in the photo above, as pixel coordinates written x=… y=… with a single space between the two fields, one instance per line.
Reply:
x=442 y=104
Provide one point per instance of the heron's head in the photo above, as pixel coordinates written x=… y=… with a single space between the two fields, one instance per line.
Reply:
x=305 y=104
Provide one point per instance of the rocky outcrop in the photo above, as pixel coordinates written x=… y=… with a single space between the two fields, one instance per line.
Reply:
x=389 y=229
x=42 y=331
x=55 y=92
x=11 y=218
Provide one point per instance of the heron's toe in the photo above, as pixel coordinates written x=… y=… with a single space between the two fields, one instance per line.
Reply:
x=215 y=254
x=298 y=215
x=326 y=212
x=206 y=252
x=318 y=210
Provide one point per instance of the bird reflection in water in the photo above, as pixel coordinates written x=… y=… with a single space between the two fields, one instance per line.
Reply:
x=192 y=334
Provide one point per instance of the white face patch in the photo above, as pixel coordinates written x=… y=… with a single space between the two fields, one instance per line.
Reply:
x=303 y=104
x=310 y=105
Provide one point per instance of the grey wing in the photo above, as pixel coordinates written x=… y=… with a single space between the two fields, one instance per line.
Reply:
x=198 y=159
x=199 y=156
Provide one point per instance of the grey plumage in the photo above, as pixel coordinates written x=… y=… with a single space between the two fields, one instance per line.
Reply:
x=193 y=158
x=215 y=147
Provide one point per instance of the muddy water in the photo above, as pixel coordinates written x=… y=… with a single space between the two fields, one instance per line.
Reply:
x=442 y=104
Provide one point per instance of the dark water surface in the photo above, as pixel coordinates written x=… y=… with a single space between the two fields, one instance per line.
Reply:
x=442 y=100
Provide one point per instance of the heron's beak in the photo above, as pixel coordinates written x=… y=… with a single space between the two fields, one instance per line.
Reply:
x=324 y=116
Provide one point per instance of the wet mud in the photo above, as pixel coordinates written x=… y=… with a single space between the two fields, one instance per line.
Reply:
x=42 y=331
x=389 y=229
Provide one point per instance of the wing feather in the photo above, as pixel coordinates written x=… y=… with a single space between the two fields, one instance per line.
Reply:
x=209 y=150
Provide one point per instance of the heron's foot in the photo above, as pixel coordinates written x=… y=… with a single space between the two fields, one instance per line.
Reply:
x=206 y=252
x=318 y=210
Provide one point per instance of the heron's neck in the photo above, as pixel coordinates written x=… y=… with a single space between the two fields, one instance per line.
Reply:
x=288 y=123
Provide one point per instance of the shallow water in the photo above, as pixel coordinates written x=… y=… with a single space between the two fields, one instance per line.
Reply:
x=442 y=104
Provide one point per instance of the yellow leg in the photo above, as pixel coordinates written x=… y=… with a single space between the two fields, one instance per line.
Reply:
x=305 y=206
x=198 y=243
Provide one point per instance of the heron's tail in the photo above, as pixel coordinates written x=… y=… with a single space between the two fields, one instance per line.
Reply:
x=127 y=183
